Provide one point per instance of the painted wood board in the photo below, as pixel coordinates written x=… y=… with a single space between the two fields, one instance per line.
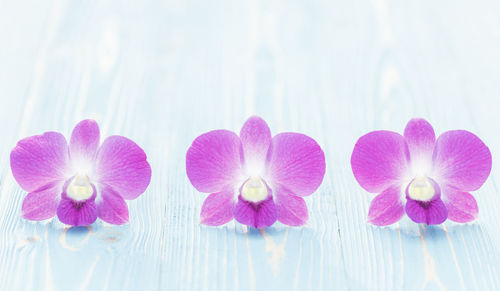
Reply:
x=163 y=72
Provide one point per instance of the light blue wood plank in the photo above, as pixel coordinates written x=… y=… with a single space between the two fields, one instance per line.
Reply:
x=163 y=72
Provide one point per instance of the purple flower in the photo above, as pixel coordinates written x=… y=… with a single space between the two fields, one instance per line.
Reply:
x=80 y=181
x=428 y=179
x=255 y=178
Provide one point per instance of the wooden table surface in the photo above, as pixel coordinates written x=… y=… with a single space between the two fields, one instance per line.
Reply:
x=163 y=72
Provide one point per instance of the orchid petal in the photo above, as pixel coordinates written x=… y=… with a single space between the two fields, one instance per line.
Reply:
x=214 y=161
x=84 y=143
x=461 y=160
x=461 y=206
x=379 y=160
x=42 y=204
x=297 y=163
x=420 y=137
x=255 y=137
x=292 y=209
x=218 y=208
x=112 y=208
x=39 y=160
x=387 y=207
x=122 y=165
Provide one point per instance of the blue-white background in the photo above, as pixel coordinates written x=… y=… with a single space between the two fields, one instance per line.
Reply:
x=163 y=72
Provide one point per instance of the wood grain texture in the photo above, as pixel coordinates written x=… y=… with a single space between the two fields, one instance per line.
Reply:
x=163 y=72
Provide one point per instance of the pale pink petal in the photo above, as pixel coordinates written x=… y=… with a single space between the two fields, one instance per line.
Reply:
x=462 y=207
x=42 y=204
x=255 y=137
x=461 y=160
x=379 y=160
x=111 y=207
x=430 y=212
x=292 y=209
x=40 y=160
x=214 y=161
x=420 y=137
x=258 y=215
x=122 y=165
x=296 y=163
x=218 y=208
x=387 y=207
x=84 y=143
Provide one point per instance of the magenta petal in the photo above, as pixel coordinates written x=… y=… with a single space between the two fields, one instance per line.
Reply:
x=296 y=163
x=292 y=209
x=379 y=160
x=430 y=212
x=420 y=137
x=77 y=213
x=462 y=207
x=42 y=204
x=218 y=208
x=214 y=161
x=461 y=160
x=258 y=215
x=387 y=207
x=39 y=160
x=122 y=165
x=111 y=207
x=84 y=142
x=255 y=137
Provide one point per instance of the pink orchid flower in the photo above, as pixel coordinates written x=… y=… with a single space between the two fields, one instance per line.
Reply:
x=80 y=181
x=255 y=178
x=428 y=179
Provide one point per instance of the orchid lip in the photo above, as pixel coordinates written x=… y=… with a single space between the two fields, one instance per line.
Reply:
x=254 y=190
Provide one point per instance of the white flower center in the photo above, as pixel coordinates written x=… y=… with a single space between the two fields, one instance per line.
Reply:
x=79 y=188
x=421 y=189
x=254 y=190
